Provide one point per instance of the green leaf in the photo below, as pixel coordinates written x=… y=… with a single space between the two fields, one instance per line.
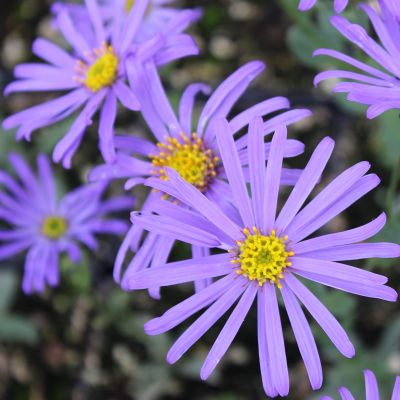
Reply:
x=8 y=289
x=17 y=329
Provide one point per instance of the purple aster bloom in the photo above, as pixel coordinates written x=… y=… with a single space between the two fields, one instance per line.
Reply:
x=194 y=155
x=46 y=226
x=394 y=7
x=264 y=252
x=94 y=76
x=371 y=389
x=160 y=16
x=306 y=5
x=377 y=88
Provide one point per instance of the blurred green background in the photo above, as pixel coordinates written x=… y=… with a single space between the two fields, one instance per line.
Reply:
x=85 y=339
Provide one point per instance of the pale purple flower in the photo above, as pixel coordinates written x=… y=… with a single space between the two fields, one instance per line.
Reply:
x=394 y=7
x=339 y=5
x=264 y=252
x=376 y=87
x=46 y=224
x=160 y=16
x=93 y=75
x=371 y=389
x=137 y=158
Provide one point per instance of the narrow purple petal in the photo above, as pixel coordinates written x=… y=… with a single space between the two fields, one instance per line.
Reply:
x=229 y=331
x=350 y=236
x=126 y=96
x=186 y=105
x=96 y=19
x=304 y=338
x=52 y=53
x=199 y=202
x=48 y=182
x=359 y=189
x=276 y=344
x=355 y=63
x=396 y=390
x=308 y=179
x=180 y=272
x=359 y=251
x=272 y=179
x=372 y=290
x=265 y=107
x=77 y=129
x=371 y=386
x=306 y=5
x=257 y=169
x=174 y=229
x=271 y=125
x=345 y=394
x=243 y=76
x=233 y=170
x=182 y=311
x=337 y=270
x=133 y=22
x=263 y=351
x=10 y=249
x=73 y=37
x=160 y=100
x=321 y=314
x=205 y=321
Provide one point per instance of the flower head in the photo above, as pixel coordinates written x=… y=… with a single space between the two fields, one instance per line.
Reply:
x=189 y=148
x=306 y=5
x=371 y=389
x=264 y=252
x=378 y=88
x=159 y=16
x=46 y=225
x=94 y=75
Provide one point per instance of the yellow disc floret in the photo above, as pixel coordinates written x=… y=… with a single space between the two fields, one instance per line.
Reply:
x=189 y=157
x=102 y=72
x=262 y=257
x=128 y=5
x=54 y=227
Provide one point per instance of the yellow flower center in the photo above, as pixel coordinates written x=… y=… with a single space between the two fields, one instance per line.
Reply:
x=102 y=72
x=128 y=5
x=54 y=227
x=262 y=257
x=189 y=157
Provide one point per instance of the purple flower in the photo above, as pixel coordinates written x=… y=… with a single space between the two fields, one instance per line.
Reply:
x=160 y=16
x=306 y=5
x=46 y=226
x=394 y=7
x=263 y=251
x=378 y=89
x=194 y=155
x=94 y=76
x=371 y=389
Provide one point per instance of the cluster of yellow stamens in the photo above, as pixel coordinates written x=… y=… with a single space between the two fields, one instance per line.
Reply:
x=54 y=227
x=128 y=5
x=262 y=257
x=189 y=157
x=103 y=70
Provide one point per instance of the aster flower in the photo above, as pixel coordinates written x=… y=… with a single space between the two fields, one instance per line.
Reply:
x=306 y=5
x=94 y=76
x=371 y=389
x=46 y=225
x=378 y=88
x=195 y=156
x=160 y=16
x=262 y=253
